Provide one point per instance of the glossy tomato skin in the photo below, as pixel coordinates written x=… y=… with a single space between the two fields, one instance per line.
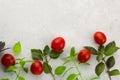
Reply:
x=36 y=68
x=84 y=55
x=100 y=37
x=8 y=60
x=58 y=44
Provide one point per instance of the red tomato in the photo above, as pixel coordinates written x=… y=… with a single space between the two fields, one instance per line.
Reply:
x=84 y=55
x=8 y=60
x=36 y=68
x=58 y=44
x=100 y=38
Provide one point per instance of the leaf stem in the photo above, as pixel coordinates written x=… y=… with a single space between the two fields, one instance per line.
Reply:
x=46 y=60
x=4 y=49
x=67 y=71
x=18 y=74
x=107 y=69
x=77 y=69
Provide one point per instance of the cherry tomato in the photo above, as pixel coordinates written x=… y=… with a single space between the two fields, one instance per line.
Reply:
x=36 y=68
x=58 y=44
x=99 y=37
x=84 y=55
x=8 y=60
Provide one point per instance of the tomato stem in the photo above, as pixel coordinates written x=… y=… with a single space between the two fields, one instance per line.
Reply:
x=68 y=70
x=77 y=69
x=107 y=69
x=46 y=60
x=18 y=74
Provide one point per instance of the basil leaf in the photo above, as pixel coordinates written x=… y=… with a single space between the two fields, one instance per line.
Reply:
x=101 y=49
x=47 y=67
x=5 y=79
x=29 y=61
x=99 y=68
x=25 y=69
x=11 y=69
x=99 y=57
x=110 y=62
x=17 y=48
x=54 y=54
x=111 y=48
x=46 y=50
x=72 y=53
x=76 y=79
x=59 y=70
x=94 y=78
x=92 y=50
x=22 y=63
x=2 y=45
x=36 y=54
x=72 y=77
x=114 y=72
x=87 y=64
x=21 y=78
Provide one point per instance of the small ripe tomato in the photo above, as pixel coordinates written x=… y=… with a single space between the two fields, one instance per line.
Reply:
x=36 y=68
x=8 y=60
x=100 y=37
x=58 y=44
x=84 y=55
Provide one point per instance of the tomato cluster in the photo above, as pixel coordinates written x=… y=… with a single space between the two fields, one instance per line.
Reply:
x=57 y=44
x=84 y=55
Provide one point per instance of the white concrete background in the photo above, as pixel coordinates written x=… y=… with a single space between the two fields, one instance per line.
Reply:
x=36 y=22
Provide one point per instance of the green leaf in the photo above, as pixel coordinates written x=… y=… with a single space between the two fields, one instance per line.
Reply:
x=47 y=67
x=21 y=78
x=59 y=70
x=99 y=68
x=110 y=62
x=67 y=61
x=11 y=69
x=111 y=48
x=76 y=79
x=55 y=55
x=22 y=63
x=25 y=69
x=19 y=59
x=99 y=57
x=2 y=45
x=87 y=64
x=46 y=50
x=5 y=79
x=101 y=49
x=29 y=61
x=92 y=50
x=114 y=72
x=0 y=42
x=94 y=78
x=72 y=77
x=72 y=52
x=17 y=48
x=36 y=54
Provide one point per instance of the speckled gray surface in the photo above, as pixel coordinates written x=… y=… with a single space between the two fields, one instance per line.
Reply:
x=36 y=22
